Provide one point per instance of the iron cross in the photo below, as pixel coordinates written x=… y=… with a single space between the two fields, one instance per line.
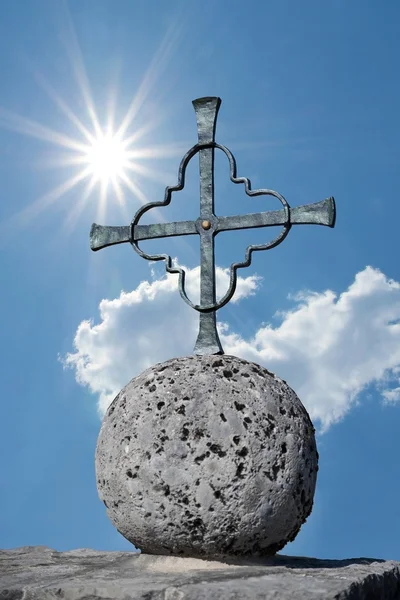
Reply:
x=209 y=224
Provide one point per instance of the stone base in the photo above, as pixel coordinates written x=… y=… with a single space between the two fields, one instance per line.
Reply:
x=207 y=457
x=39 y=572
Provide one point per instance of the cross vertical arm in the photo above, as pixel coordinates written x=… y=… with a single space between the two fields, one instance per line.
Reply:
x=208 y=341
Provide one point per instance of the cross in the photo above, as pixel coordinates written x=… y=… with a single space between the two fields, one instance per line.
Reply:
x=208 y=225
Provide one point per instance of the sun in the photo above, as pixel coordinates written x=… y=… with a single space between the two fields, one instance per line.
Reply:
x=107 y=158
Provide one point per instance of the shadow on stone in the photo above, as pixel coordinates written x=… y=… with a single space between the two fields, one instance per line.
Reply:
x=301 y=562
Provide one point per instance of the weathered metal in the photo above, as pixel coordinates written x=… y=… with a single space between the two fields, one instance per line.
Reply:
x=208 y=225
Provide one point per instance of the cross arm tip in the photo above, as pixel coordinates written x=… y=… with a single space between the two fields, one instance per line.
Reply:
x=94 y=237
x=332 y=211
x=214 y=101
x=102 y=236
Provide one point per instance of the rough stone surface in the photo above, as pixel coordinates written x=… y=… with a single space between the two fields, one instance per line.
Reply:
x=207 y=456
x=39 y=573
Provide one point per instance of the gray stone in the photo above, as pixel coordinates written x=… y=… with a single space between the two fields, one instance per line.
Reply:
x=39 y=573
x=207 y=456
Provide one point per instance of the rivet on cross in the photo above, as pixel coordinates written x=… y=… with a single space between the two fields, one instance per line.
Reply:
x=208 y=225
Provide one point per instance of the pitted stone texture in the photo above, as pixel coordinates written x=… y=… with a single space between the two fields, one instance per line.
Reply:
x=207 y=456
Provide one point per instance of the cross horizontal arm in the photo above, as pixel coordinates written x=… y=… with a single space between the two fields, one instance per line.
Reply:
x=320 y=213
x=161 y=230
x=102 y=236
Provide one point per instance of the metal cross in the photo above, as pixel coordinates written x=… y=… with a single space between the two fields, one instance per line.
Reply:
x=208 y=225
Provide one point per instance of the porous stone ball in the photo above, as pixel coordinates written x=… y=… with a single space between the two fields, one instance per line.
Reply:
x=207 y=456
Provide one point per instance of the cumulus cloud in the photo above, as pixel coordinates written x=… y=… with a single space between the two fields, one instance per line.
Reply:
x=329 y=346
x=140 y=328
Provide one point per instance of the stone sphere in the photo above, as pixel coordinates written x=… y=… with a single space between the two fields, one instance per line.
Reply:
x=207 y=456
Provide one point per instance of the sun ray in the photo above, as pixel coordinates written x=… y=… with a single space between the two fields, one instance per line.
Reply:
x=63 y=106
x=158 y=64
x=111 y=106
x=159 y=151
x=119 y=192
x=34 y=209
x=111 y=114
x=57 y=162
x=24 y=217
x=15 y=122
x=146 y=128
x=138 y=193
x=152 y=174
x=134 y=188
x=163 y=56
x=73 y=49
x=76 y=210
x=102 y=204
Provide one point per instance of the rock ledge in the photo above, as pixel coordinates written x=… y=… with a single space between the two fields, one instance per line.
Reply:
x=40 y=573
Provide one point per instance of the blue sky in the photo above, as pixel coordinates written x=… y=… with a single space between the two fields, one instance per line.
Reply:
x=310 y=97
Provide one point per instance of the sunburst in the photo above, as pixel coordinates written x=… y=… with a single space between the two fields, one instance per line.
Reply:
x=108 y=158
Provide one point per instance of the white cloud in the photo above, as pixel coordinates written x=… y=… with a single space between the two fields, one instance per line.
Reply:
x=148 y=325
x=391 y=396
x=329 y=347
